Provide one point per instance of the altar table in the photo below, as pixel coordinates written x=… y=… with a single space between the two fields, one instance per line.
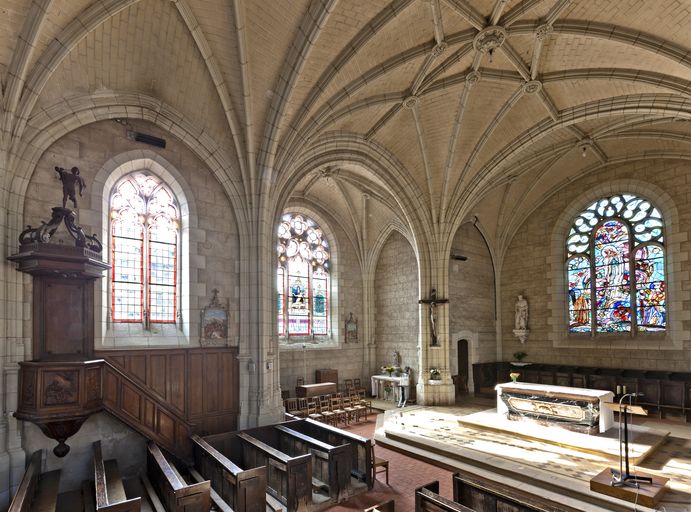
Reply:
x=397 y=382
x=574 y=408
x=308 y=390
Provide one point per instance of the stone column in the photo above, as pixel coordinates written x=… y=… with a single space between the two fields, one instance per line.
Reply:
x=435 y=275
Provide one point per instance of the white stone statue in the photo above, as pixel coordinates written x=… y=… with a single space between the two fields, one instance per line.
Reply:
x=521 y=313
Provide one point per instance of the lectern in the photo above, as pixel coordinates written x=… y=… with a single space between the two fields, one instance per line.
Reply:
x=623 y=477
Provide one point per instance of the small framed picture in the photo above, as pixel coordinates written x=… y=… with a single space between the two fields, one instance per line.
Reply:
x=214 y=323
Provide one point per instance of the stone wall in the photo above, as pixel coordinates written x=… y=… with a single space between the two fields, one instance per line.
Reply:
x=530 y=267
x=213 y=257
x=347 y=358
x=471 y=298
x=212 y=241
x=396 y=292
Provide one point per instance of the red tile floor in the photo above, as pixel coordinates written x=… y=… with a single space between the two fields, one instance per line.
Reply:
x=405 y=475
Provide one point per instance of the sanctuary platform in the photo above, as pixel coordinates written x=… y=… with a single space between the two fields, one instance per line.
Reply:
x=642 y=440
x=549 y=466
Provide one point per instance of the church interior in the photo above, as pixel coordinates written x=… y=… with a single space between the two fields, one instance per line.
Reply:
x=384 y=221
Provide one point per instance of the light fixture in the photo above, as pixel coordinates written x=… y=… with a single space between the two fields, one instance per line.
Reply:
x=584 y=150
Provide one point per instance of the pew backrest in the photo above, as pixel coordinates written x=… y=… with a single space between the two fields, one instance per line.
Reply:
x=427 y=499
x=330 y=464
x=480 y=493
x=362 y=449
x=27 y=487
x=101 y=485
x=243 y=489
x=175 y=493
x=289 y=478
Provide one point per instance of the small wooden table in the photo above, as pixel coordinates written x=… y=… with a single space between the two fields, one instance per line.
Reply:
x=308 y=390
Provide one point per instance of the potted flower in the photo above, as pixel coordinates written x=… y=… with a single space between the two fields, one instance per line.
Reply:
x=434 y=374
x=387 y=390
x=514 y=376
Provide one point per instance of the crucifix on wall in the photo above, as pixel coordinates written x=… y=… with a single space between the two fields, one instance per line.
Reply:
x=433 y=302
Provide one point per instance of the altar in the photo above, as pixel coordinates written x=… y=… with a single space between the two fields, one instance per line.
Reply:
x=398 y=383
x=577 y=409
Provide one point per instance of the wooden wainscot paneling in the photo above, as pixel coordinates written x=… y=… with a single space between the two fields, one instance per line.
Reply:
x=201 y=384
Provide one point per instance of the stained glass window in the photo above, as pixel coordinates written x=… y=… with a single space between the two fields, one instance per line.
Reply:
x=144 y=250
x=302 y=279
x=616 y=267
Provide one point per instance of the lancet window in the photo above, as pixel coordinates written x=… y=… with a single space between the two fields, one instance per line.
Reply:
x=145 y=229
x=303 y=280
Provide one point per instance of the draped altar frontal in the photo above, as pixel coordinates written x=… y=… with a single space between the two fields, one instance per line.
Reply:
x=578 y=409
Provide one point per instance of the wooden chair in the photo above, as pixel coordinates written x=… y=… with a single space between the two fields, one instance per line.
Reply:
x=313 y=411
x=349 y=408
x=326 y=412
x=360 y=407
x=366 y=402
x=300 y=381
x=348 y=385
x=340 y=414
x=358 y=386
x=291 y=406
x=302 y=407
x=381 y=465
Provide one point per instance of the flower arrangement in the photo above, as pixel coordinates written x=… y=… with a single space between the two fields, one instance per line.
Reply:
x=388 y=369
x=518 y=356
x=514 y=376
x=434 y=374
x=387 y=389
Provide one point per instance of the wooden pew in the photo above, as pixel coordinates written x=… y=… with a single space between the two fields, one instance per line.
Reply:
x=243 y=490
x=362 y=449
x=482 y=494
x=175 y=493
x=110 y=493
x=289 y=479
x=427 y=499
x=36 y=492
x=330 y=464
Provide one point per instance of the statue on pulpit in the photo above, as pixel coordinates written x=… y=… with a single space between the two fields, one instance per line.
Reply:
x=70 y=181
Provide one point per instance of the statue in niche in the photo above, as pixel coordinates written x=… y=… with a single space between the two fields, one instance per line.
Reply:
x=395 y=359
x=351 y=335
x=521 y=321
x=70 y=181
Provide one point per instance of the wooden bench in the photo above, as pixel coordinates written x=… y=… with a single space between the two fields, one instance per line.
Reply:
x=36 y=492
x=110 y=493
x=362 y=449
x=289 y=479
x=330 y=464
x=175 y=493
x=427 y=499
x=482 y=494
x=243 y=490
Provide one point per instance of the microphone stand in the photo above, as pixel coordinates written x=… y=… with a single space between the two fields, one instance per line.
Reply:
x=619 y=478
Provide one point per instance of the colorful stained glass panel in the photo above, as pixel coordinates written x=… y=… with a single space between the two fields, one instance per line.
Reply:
x=614 y=319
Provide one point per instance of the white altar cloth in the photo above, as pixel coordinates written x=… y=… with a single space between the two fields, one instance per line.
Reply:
x=396 y=382
x=606 y=414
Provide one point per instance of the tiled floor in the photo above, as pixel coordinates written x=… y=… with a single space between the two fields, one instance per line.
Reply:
x=406 y=473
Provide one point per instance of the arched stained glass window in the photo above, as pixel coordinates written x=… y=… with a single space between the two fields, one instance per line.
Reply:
x=616 y=267
x=144 y=250
x=302 y=278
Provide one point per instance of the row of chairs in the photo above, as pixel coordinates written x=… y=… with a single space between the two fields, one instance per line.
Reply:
x=333 y=409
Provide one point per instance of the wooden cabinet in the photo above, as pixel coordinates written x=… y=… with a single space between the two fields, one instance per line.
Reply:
x=326 y=375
